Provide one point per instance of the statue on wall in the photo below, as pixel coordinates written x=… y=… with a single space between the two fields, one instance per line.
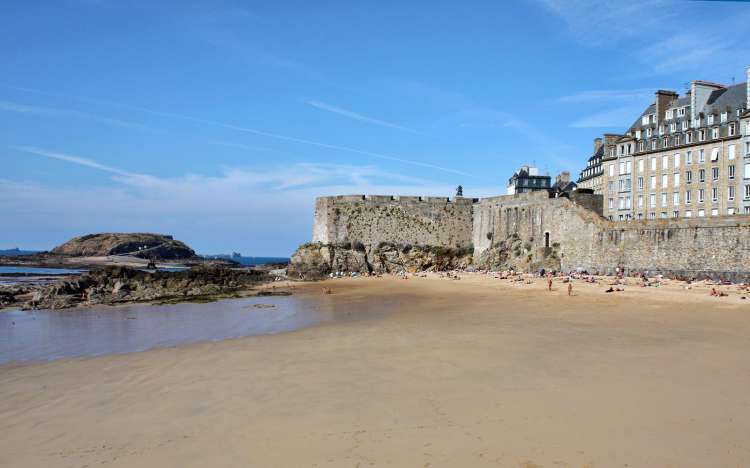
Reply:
x=459 y=191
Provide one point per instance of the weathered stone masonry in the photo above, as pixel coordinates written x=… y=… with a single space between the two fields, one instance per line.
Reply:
x=527 y=231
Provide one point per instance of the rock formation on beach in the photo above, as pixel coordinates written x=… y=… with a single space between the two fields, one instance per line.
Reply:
x=116 y=285
x=316 y=260
x=142 y=245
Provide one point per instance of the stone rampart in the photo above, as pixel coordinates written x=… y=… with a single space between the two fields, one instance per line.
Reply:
x=530 y=230
x=410 y=220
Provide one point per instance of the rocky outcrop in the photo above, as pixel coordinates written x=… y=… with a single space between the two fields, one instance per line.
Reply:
x=143 y=245
x=115 y=285
x=315 y=260
x=515 y=253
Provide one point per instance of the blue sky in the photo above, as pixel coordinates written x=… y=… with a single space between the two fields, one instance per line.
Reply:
x=219 y=122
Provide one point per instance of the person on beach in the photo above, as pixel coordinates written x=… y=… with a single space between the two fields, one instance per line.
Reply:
x=549 y=282
x=570 y=287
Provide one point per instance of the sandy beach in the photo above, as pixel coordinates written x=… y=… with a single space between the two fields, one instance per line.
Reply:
x=476 y=372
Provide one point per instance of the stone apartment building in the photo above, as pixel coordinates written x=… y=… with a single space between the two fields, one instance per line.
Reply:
x=591 y=176
x=685 y=156
x=528 y=179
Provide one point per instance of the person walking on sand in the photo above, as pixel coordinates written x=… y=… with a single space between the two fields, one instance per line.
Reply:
x=549 y=282
x=570 y=287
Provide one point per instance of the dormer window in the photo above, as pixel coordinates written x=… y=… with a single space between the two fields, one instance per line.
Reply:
x=676 y=140
x=672 y=127
x=715 y=133
x=724 y=116
x=689 y=137
x=669 y=114
x=684 y=125
x=702 y=134
x=665 y=142
x=641 y=145
x=637 y=134
x=653 y=144
x=710 y=119
x=681 y=112
x=732 y=129
x=649 y=132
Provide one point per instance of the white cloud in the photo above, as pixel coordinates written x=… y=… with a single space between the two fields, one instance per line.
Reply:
x=240 y=208
x=662 y=36
x=37 y=110
x=262 y=133
x=353 y=115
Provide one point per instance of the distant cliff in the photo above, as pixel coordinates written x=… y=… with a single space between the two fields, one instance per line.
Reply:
x=143 y=245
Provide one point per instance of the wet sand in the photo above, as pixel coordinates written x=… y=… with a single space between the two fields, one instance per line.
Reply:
x=476 y=372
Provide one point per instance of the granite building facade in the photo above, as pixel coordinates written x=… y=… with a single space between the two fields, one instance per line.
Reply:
x=684 y=157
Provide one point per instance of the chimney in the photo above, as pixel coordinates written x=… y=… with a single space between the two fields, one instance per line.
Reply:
x=700 y=91
x=563 y=178
x=598 y=141
x=664 y=100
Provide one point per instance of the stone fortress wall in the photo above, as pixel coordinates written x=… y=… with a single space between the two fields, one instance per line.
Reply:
x=531 y=230
x=373 y=219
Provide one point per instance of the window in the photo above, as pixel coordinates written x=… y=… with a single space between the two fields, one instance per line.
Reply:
x=640 y=201
x=621 y=203
x=676 y=141
x=653 y=144
x=747 y=147
x=676 y=179
x=747 y=210
x=714 y=154
x=732 y=130
x=747 y=192
x=701 y=195
x=688 y=177
x=689 y=158
x=676 y=160
x=640 y=165
x=731 y=171
x=641 y=145
x=628 y=203
x=688 y=137
x=710 y=119
x=663 y=215
x=622 y=185
x=611 y=203
x=649 y=132
x=701 y=213
x=730 y=152
x=701 y=156
x=715 y=173
x=730 y=193
x=730 y=211
x=664 y=199
x=676 y=198
x=611 y=186
x=688 y=196
x=715 y=194
x=652 y=215
x=681 y=112
x=622 y=167
x=664 y=161
x=640 y=215
x=723 y=117
x=702 y=134
x=675 y=214
x=644 y=120
x=702 y=175
x=684 y=125
x=747 y=171
x=611 y=170
x=714 y=212
x=688 y=214
x=665 y=142
x=640 y=183
x=672 y=127
x=664 y=181
x=715 y=133
x=653 y=164
x=628 y=167
x=669 y=114
x=653 y=182
x=652 y=200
